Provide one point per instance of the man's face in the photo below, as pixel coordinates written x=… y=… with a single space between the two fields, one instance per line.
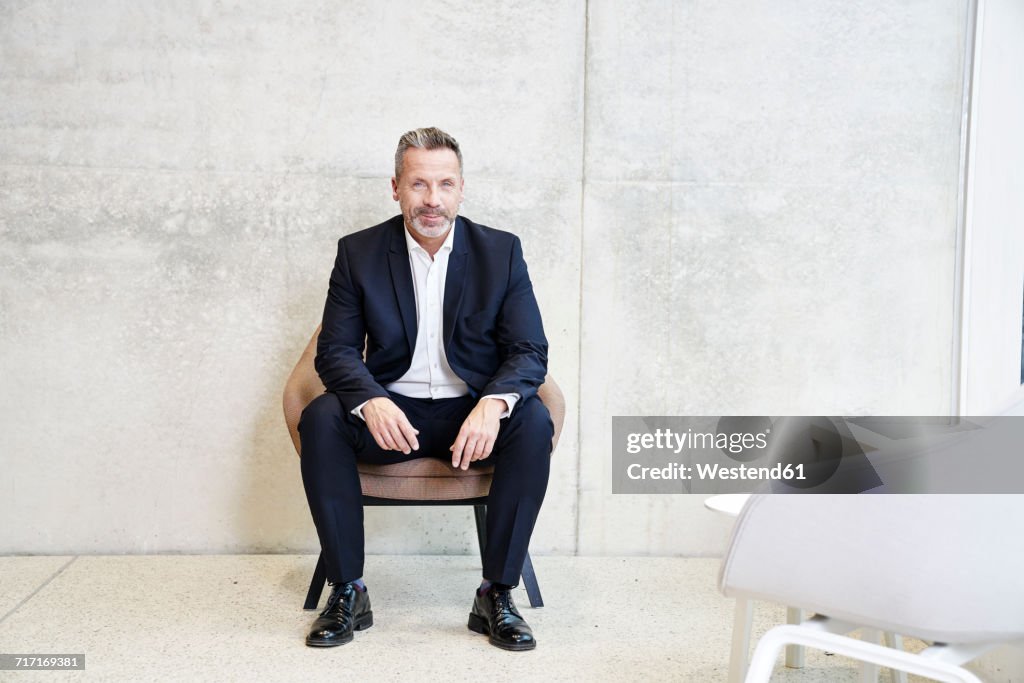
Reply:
x=429 y=191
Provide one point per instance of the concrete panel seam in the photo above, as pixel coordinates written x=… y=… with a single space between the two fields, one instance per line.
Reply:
x=579 y=303
x=43 y=585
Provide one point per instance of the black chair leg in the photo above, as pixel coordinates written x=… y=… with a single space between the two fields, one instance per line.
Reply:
x=316 y=585
x=480 y=513
x=530 y=581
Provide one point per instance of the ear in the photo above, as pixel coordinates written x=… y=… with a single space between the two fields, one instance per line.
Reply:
x=394 y=189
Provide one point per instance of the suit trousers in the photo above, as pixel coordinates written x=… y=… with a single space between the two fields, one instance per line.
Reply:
x=333 y=440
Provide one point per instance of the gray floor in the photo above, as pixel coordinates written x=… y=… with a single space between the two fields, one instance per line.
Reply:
x=239 y=618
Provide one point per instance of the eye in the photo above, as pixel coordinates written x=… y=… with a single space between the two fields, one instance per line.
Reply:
x=418 y=185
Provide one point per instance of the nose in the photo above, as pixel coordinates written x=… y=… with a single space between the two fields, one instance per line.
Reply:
x=433 y=197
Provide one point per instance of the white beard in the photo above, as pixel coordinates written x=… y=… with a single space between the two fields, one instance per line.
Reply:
x=431 y=231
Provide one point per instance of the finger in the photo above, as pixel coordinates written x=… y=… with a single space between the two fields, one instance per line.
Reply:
x=488 y=447
x=478 y=447
x=409 y=433
x=389 y=443
x=400 y=443
x=457 y=447
x=375 y=433
x=467 y=457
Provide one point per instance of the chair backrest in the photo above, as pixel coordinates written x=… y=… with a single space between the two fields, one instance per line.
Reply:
x=304 y=385
x=947 y=568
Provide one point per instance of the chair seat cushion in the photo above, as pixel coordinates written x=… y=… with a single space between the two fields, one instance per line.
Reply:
x=424 y=479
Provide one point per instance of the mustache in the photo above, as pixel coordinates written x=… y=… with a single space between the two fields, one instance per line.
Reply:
x=431 y=212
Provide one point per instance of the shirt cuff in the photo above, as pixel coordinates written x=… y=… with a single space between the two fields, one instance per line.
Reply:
x=509 y=399
x=358 y=411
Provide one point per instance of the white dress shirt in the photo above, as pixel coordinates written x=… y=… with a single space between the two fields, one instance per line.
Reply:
x=430 y=375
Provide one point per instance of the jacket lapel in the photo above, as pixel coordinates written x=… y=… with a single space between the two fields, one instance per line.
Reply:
x=401 y=278
x=454 y=283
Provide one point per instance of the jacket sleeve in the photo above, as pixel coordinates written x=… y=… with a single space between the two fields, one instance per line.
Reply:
x=519 y=332
x=339 y=349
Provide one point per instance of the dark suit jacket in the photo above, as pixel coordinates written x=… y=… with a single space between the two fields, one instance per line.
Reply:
x=493 y=335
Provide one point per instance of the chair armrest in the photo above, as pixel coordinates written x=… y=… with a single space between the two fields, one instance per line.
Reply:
x=304 y=385
x=551 y=395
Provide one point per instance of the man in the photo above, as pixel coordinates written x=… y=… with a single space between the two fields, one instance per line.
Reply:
x=455 y=351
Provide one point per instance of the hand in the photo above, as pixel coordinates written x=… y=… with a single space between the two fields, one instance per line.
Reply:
x=389 y=426
x=476 y=437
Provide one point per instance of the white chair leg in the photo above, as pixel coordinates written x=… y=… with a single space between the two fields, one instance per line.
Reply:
x=794 y=653
x=817 y=636
x=895 y=641
x=868 y=670
x=741 y=626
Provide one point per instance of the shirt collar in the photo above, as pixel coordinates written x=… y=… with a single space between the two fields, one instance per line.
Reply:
x=448 y=244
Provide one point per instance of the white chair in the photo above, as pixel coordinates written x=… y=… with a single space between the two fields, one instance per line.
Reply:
x=731 y=504
x=943 y=568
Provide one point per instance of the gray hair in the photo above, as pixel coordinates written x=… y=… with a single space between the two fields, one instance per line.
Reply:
x=425 y=138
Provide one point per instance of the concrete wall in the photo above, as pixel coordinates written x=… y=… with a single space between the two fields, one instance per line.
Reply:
x=769 y=226
x=726 y=208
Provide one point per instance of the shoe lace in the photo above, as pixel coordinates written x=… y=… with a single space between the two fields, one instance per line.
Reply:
x=337 y=591
x=503 y=601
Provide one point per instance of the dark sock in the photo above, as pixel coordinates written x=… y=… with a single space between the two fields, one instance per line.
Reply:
x=485 y=585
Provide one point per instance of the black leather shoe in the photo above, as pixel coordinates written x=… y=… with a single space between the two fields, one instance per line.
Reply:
x=495 y=615
x=348 y=610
